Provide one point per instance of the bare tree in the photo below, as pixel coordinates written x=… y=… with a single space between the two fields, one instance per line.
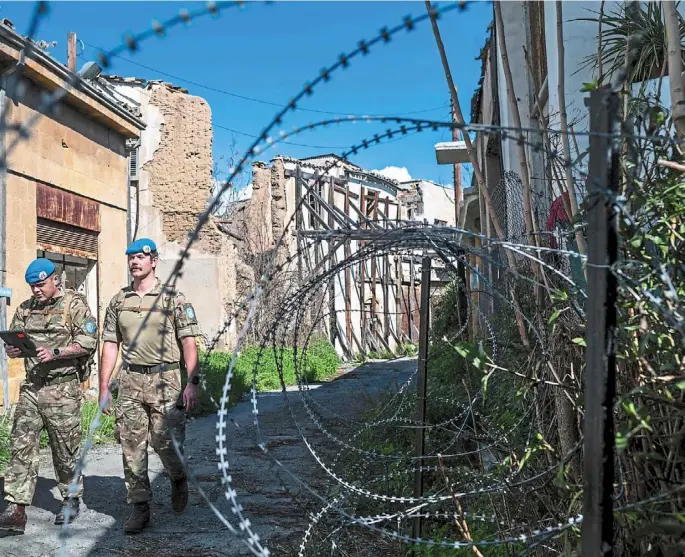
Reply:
x=565 y=130
x=221 y=170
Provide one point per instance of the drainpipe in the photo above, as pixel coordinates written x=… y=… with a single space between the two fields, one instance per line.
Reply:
x=128 y=205
x=128 y=212
x=3 y=254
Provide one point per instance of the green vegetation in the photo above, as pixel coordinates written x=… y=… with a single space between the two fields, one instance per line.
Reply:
x=5 y=446
x=407 y=350
x=105 y=431
x=317 y=363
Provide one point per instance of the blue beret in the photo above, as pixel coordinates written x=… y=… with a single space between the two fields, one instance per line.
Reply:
x=144 y=245
x=38 y=270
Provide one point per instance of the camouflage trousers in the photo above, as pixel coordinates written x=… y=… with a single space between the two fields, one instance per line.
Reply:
x=146 y=412
x=57 y=409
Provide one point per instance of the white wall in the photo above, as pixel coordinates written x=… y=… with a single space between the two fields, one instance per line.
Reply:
x=438 y=203
x=580 y=41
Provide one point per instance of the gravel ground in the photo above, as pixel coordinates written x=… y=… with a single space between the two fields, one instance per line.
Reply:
x=276 y=506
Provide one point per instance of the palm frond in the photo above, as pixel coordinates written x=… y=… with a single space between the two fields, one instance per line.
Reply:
x=637 y=27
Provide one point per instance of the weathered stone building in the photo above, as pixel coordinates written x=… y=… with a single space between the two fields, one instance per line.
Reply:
x=170 y=186
x=372 y=306
x=63 y=194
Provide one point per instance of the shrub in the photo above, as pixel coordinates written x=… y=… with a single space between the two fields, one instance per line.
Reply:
x=318 y=362
x=5 y=445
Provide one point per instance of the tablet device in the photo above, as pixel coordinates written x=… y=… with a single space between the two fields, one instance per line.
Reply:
x=19 y=339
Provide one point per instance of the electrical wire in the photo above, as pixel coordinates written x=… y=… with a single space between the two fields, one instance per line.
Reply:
x=253 y=99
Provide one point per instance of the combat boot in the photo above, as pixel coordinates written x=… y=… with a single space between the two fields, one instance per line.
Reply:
x=13 y=520
x=139 y=519
x=71 y=505
x=179 y=494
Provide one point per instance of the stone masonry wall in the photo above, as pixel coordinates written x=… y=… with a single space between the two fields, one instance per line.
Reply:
x=181 y=170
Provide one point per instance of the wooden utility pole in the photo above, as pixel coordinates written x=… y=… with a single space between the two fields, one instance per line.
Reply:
x=71 y=51
x=458 y=195
x=600 y=375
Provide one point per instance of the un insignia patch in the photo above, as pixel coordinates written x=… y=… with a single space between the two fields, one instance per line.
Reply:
x=42 y=275
x=190 y=314
x=89 y=326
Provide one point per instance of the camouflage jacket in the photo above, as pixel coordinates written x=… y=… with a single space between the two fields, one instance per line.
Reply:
x=150 y=328
x=57 y=323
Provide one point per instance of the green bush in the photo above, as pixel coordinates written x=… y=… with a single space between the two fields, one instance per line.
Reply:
x=318 y=362
x=5 y=445
x=214 y=366
x=105 y=430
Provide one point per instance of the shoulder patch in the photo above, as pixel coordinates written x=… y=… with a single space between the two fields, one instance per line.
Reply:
x=89 y=326
x=190 y=313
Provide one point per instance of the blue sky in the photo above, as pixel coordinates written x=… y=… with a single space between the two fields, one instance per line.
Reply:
x=268 y=51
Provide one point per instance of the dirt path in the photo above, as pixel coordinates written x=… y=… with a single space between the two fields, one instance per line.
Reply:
x=277 y=508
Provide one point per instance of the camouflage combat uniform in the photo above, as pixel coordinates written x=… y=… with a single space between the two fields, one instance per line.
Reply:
x=50 y=397
x=146 y=405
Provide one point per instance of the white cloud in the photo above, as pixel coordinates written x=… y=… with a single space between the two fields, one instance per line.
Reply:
x=401 y=174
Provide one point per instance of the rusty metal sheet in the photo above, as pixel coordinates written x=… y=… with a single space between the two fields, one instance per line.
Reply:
x=67 y=208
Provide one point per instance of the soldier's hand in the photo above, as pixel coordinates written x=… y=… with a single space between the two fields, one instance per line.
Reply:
x=12 y=351
x=190 y=397
x=44 y=354
x=105 y=401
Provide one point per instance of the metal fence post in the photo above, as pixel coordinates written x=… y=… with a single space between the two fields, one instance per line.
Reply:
x=600 y=374
x=421 y=386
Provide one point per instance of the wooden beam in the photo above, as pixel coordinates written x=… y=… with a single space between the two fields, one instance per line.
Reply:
x=348 y=277
x=333 y=317
x=362 y=267
x=385 y=278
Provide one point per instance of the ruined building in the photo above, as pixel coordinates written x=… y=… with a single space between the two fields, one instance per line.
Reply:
x=372 y=306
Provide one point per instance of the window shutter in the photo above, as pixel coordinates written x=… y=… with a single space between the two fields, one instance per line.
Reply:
x=70 y=240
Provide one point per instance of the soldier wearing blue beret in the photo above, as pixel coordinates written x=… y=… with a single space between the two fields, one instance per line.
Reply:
x=60 y=323
x=156 y=329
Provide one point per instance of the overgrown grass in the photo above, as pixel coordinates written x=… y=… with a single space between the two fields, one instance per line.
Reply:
x=5 y=445
x=105 y=431
x=317 y=363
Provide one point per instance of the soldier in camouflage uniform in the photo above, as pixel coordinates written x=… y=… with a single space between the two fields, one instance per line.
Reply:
x=64 y=330
x=150 y=402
